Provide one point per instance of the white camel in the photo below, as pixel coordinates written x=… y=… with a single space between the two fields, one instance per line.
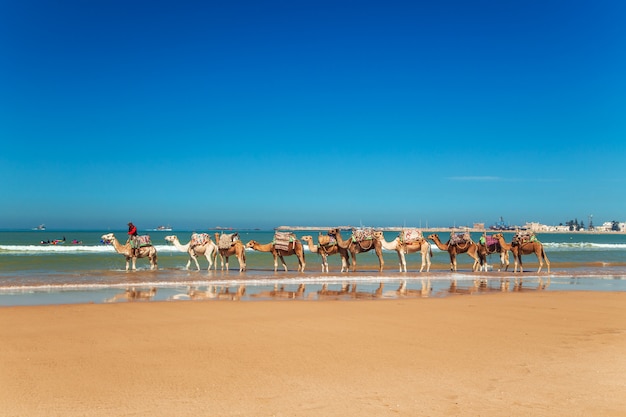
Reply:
x=325 y=250
x=208 y=249
x=149 y=252
x=411 y=247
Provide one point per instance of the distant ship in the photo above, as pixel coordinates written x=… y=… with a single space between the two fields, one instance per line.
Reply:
x=40 y=227
x=167 y=228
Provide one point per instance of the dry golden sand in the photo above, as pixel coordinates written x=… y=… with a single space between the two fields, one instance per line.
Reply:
x=511 y=354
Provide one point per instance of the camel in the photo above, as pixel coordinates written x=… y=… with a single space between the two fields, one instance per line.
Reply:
x=295 y=248
x=526 y=248
x=469 y=247
x=325 y=250
x=411 y=247
x=208 y=249
x=149 y=252
x=359 y=247
x=489 y=248
x=237 y=249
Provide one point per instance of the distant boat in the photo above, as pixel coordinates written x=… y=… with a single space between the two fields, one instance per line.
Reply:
x=40 y=227
x=167 y=228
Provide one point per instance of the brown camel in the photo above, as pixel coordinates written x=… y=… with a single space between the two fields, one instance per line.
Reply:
x=295 y=248
x=325 y=250
x=402 y=248
x=526 y=248
x=235 y=249
x=149 y=252
x=493 y=246
x=359 y=247
x=468 y=247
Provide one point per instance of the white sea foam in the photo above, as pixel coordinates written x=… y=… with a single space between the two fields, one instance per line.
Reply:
x=71 y=248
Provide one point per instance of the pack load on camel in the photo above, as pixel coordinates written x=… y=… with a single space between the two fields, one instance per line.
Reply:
x=362 y=234
x=460 y=238
x=227 y=240
x=524 y=236
x=137 y=242
x=410 y=235
x=283 y=240
x=326 y=240
x=199 y=239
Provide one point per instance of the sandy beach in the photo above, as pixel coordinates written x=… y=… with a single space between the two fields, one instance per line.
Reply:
x=513 y=354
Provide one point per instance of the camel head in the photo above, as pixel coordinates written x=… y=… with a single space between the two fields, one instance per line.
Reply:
x=333 y=232
x=251 y=244
x=171 y=238
x=307 y=239
x=498 y=236
x=433 y=236
x=108 y=238
x=378 y=234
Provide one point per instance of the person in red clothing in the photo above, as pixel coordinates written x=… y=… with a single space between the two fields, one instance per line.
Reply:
x=132 y=234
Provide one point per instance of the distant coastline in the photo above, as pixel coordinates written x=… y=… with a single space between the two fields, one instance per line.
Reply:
x=447 y=229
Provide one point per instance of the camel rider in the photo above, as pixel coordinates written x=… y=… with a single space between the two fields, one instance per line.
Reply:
x=132 y=235
x=483 y=239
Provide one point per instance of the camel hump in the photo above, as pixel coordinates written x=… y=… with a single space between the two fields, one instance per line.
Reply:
x=326 y=240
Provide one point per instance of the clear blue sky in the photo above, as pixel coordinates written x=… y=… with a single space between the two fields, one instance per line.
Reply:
x=268 y=113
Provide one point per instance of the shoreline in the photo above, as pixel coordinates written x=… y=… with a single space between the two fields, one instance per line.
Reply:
x=536 y=353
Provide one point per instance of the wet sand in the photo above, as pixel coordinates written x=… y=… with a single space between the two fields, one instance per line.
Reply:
x=514 y=354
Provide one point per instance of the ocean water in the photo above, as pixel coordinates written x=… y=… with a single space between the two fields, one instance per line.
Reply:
x=89 y=271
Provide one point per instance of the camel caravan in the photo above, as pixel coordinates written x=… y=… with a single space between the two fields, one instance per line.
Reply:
x=361 y=240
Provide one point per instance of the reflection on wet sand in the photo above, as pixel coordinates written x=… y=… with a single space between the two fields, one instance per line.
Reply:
x=280 y=292
x=133 y=294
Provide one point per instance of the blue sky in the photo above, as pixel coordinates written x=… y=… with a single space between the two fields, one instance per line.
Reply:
x=260 y=114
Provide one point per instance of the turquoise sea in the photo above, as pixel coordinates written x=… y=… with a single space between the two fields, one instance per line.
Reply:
x=90 y=271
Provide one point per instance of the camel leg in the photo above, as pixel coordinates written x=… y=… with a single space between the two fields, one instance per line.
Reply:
x=400 y=260
x=195 y=259
x=353 y=261
x=282 y=261
x=381 y=261
x=302 y=262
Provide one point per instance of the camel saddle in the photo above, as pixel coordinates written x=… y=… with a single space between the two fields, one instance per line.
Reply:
x=361 y=234
x=283 y=239
x=140 y=241
x=523 y=237
x=199 y=239
x=410 y=235
x=227 y=240
x=460 y=238
x=491 y=241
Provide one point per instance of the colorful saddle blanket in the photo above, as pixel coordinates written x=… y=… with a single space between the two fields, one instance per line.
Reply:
x=140 y=241
x=359 y=235
x=491 y=241
x=460 y=238
x=199 y=239
x=227 y=240
x=411 y=235
x=283 y=239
